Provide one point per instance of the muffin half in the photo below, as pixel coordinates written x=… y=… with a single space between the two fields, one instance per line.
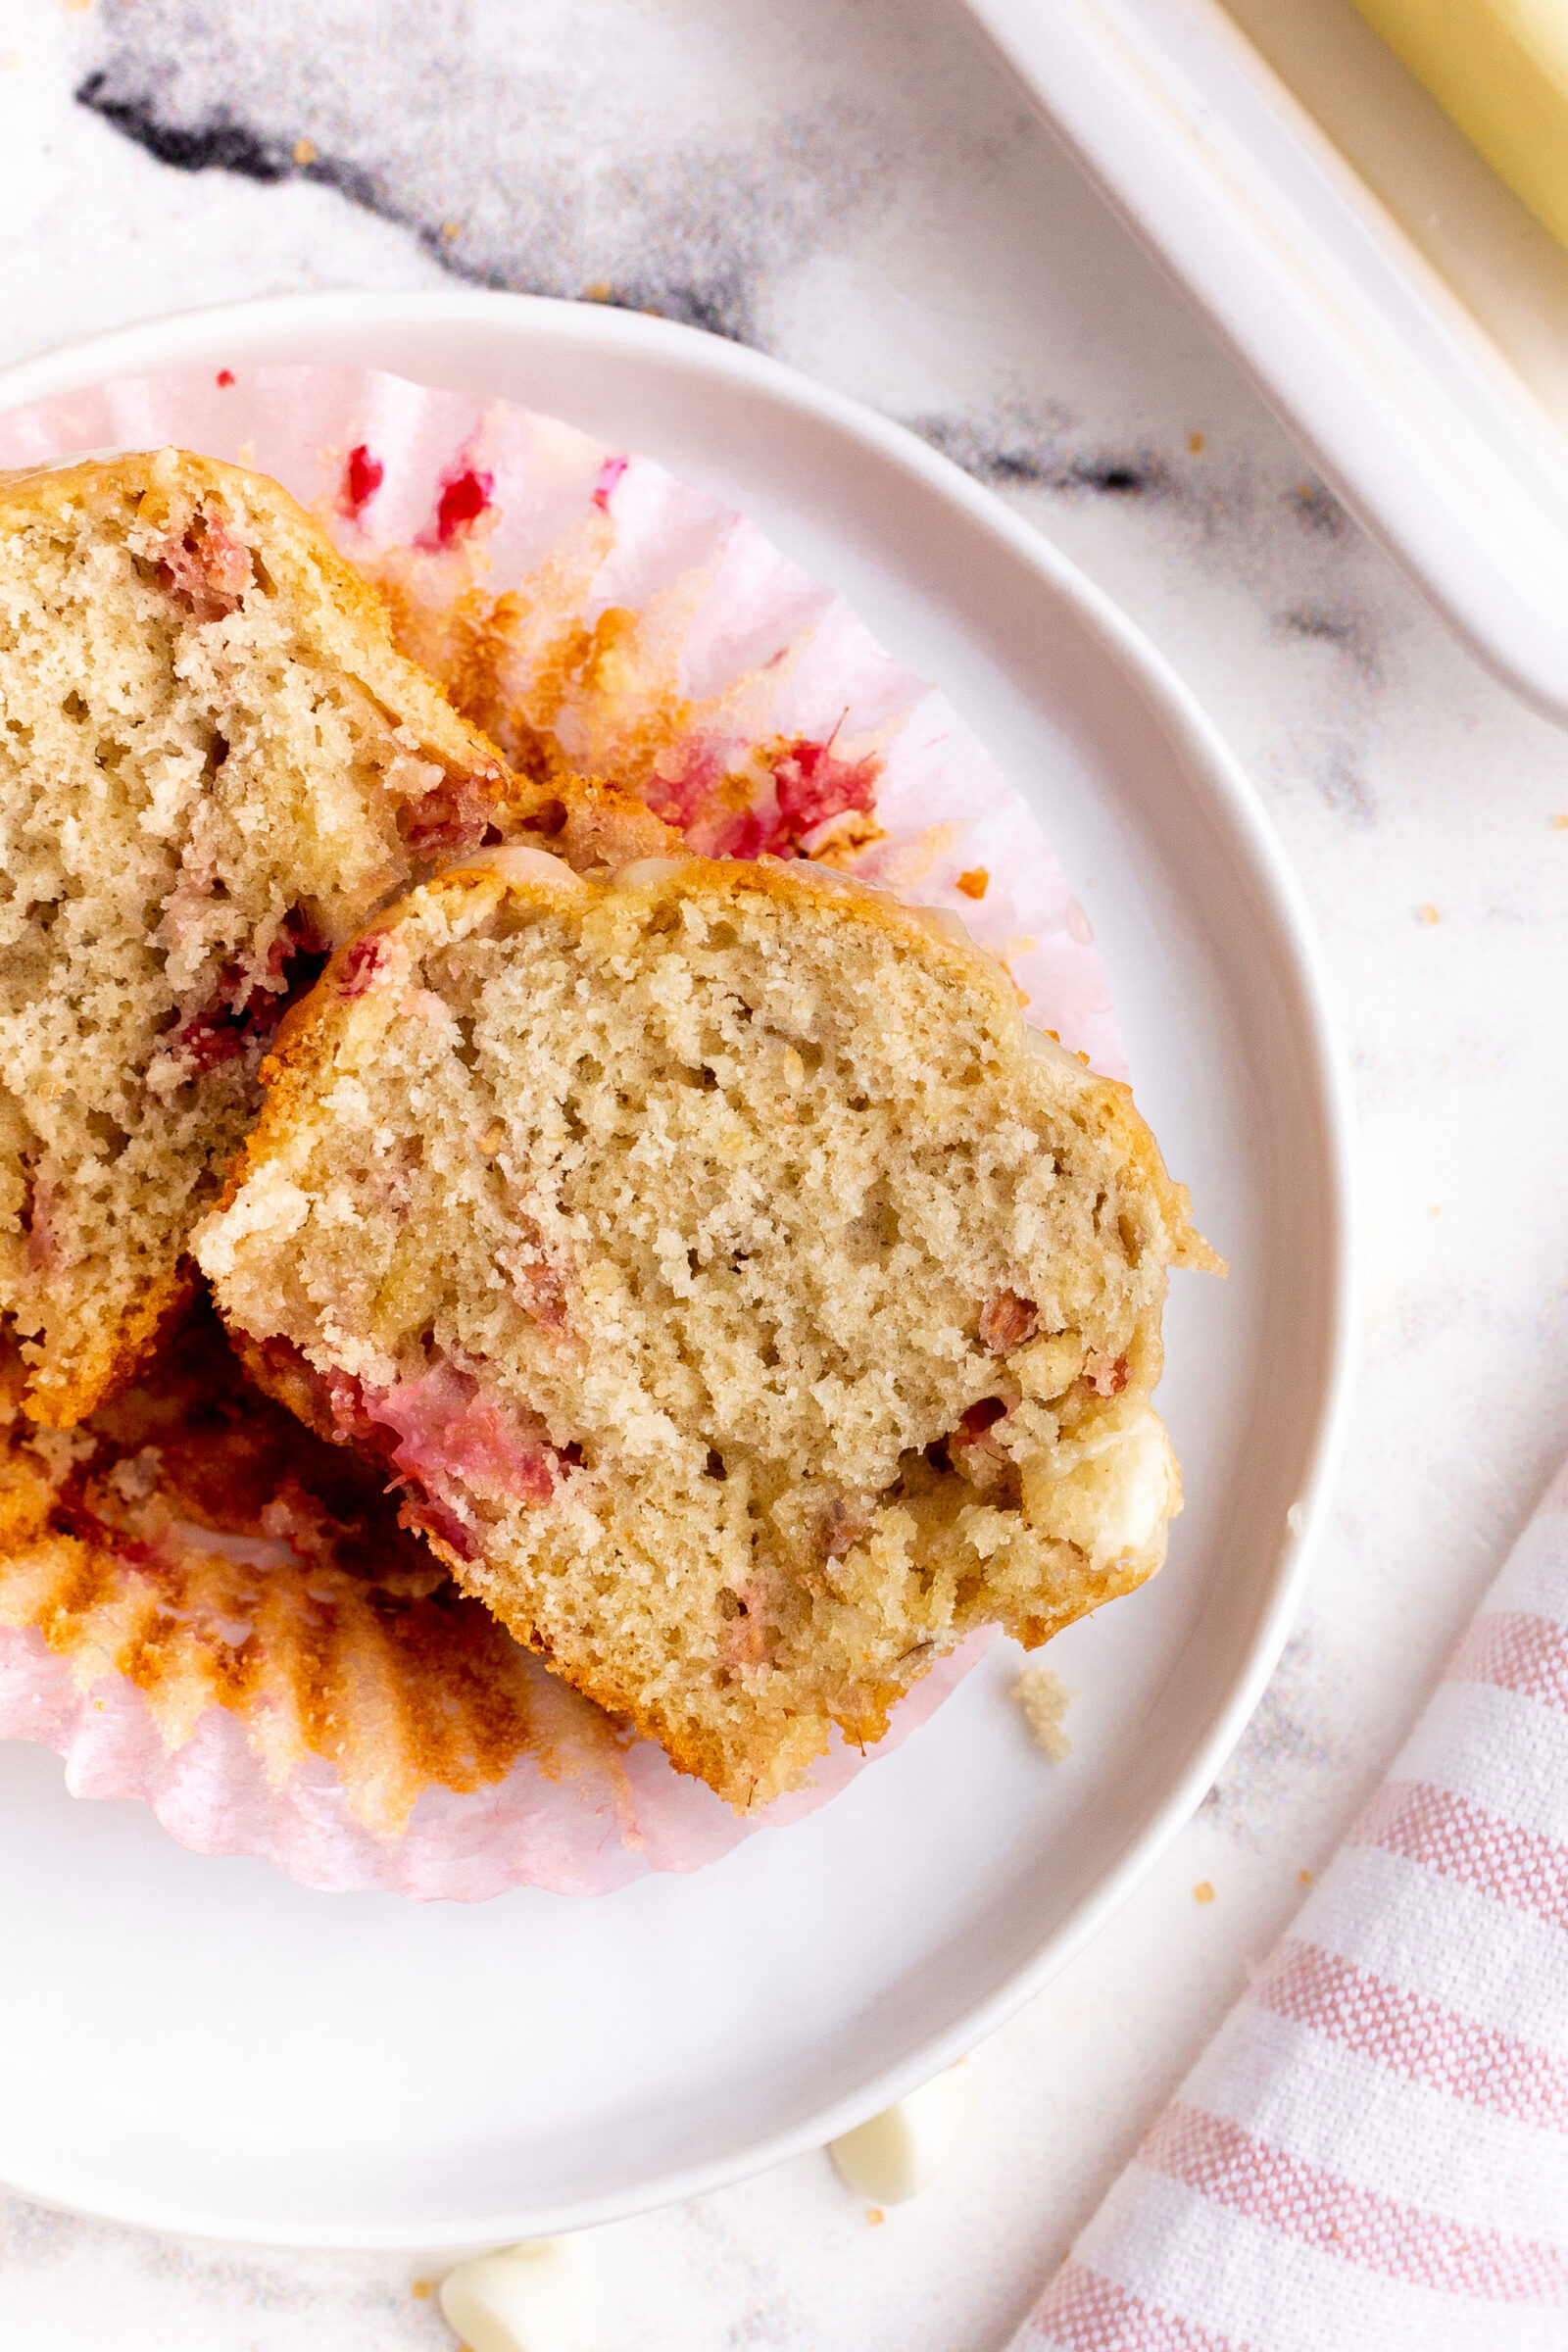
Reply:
x=747 y=1303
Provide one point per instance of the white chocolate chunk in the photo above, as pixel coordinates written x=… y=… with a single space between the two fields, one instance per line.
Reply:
x=1116 y=1496
x=943 y=923
x=522 y=2300
x=646 y=874
x=519 y=862
x=1048 y=1047
x=901 y=2151
x=828 y=877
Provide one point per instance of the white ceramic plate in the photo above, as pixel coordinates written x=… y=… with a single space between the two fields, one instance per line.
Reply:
x=199 y=2045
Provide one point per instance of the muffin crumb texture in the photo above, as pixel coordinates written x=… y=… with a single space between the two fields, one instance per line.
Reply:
x=748 y=1304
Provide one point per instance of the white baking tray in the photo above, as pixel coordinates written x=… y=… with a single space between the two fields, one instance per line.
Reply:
x=1398 y=307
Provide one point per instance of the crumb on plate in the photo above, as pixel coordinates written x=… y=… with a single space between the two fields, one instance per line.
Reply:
x=1043 y=1697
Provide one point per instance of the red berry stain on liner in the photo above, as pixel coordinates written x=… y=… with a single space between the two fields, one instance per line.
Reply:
x=463 y=498
x=363 y=476
x=609 y=473
x=225 y=376
x=813 y=783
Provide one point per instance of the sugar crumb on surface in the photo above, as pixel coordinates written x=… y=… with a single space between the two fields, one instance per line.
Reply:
x=1045 y=1698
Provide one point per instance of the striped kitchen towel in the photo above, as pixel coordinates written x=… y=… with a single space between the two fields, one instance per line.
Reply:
x=1372 y=2156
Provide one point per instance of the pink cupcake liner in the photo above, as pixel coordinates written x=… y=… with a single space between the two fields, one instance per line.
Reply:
x=603 y=617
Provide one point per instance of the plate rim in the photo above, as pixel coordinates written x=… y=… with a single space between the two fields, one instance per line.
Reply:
x=145 y=347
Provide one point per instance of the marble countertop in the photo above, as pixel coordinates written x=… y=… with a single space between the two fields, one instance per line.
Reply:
x=856 y=187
